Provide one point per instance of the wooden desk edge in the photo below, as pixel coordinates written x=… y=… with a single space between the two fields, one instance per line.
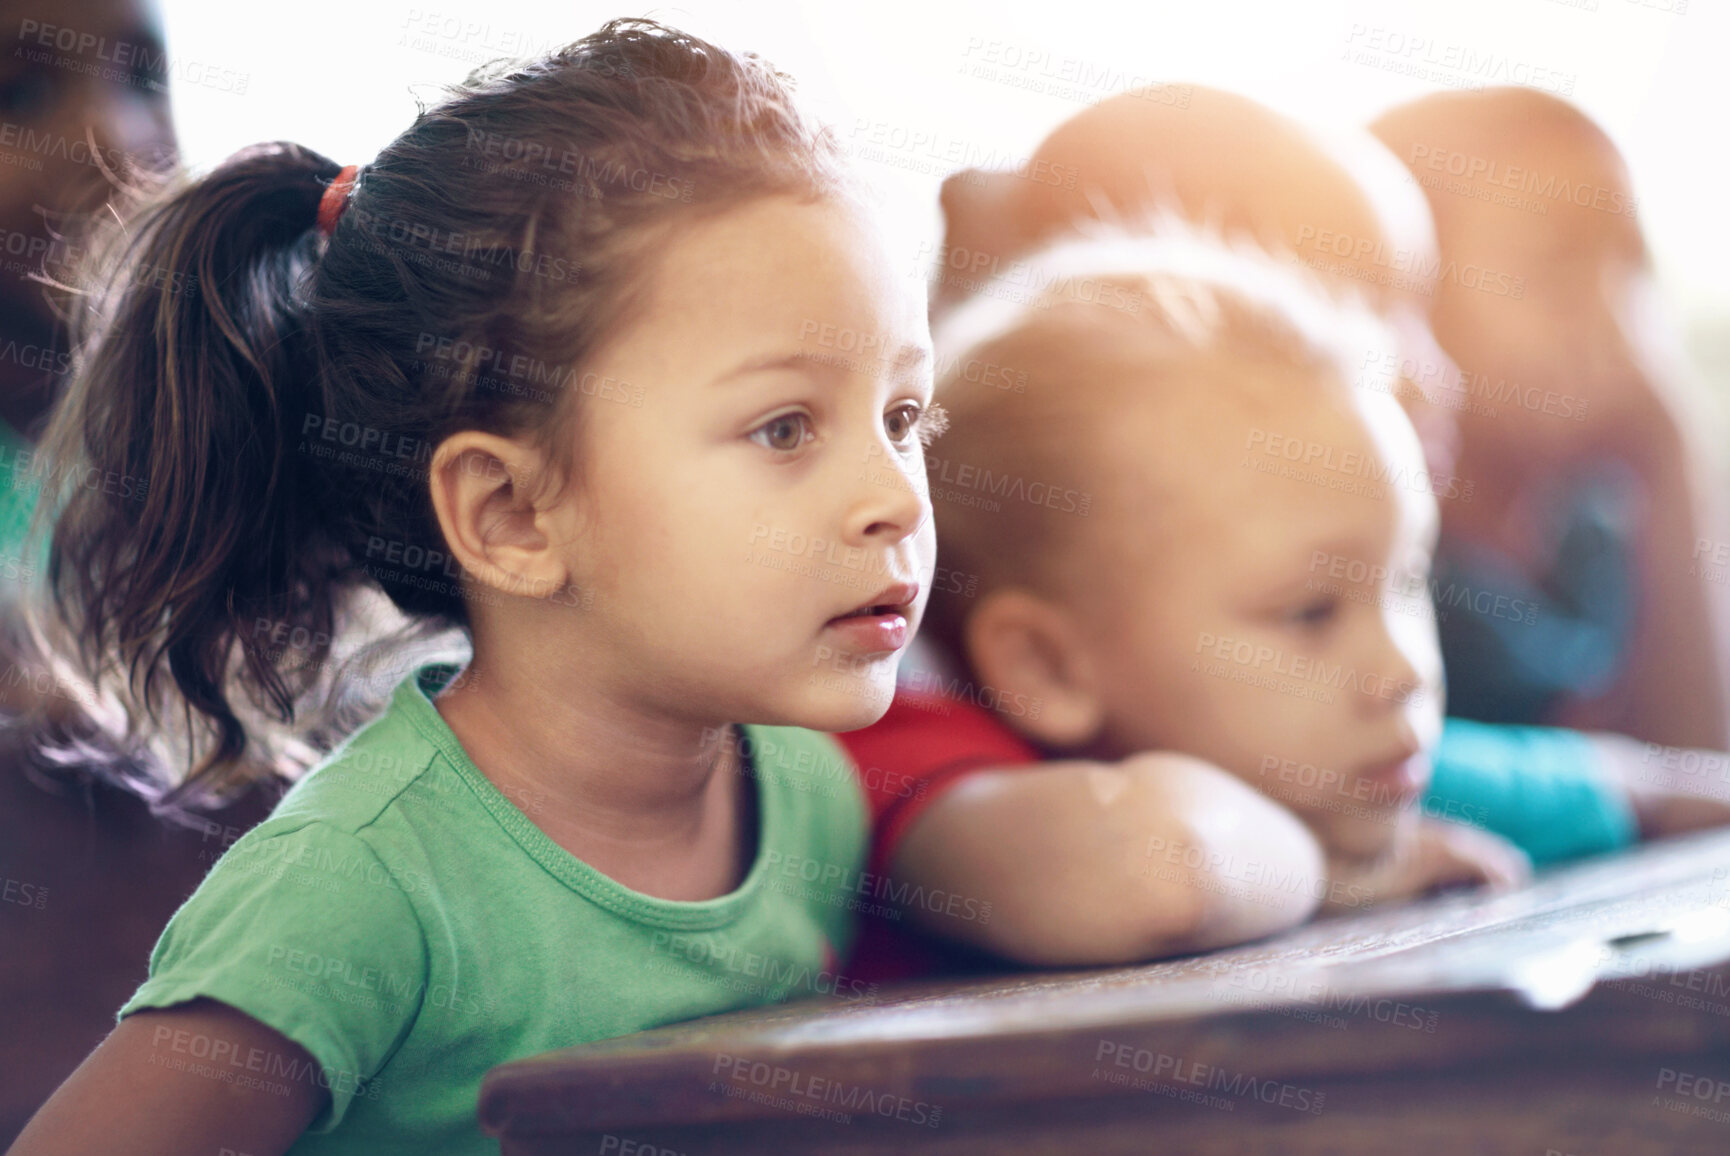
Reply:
x=581 y=1091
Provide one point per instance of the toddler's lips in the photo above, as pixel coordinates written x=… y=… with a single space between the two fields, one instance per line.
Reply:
x=1405 y=779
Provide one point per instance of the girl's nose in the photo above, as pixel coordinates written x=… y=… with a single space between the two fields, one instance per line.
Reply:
x=891 y=502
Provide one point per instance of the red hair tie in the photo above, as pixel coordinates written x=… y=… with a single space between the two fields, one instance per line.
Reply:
x=335 y=199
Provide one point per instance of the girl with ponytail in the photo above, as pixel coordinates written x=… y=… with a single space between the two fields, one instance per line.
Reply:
x=602 y=363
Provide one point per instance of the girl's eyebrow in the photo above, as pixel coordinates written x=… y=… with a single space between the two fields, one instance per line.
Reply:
x=908 y=362
x=800 y=360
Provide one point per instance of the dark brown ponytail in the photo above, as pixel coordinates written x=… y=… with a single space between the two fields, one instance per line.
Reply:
x=181 y=518
x=246 y=436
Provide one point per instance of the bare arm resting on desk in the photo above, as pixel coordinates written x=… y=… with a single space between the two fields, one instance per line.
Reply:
x=1093 y=863
x=124 y=1097
x=1673 y=790
x=1089 y=863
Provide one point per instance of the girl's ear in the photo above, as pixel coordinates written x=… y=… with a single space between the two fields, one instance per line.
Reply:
x=484 y=490
x=1021 y=644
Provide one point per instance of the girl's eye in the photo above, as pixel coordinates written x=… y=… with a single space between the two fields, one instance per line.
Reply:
x=785 y=433
x=899 y=422
x=902 y=422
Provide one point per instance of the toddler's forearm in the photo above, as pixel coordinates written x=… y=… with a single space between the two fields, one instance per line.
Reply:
x=1092 y=863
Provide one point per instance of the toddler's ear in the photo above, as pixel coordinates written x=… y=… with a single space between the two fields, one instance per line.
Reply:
x=484 y=491
x=1020 y=644
x=981 y=216
x=976 y=202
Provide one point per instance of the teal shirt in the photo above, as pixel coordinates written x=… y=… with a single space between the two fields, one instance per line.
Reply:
x=1538 y=787
x=408 y=925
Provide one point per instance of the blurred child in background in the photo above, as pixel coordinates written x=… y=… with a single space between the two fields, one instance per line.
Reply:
x=1578 y=425
x=1343 y=208
x=104 y=872
x=1239 y=572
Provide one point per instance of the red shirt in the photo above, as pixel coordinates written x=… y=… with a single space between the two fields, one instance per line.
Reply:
x=924 y=745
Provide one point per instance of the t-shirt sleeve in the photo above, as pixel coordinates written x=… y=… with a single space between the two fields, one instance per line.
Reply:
x=1541 y=788
x=924 y=745
x=310 y=933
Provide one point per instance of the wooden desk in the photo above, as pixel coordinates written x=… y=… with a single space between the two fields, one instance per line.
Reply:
x=1588 y=1013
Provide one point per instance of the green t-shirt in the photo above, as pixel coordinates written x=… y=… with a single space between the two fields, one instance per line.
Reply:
x=20 y=487
x=408 y=925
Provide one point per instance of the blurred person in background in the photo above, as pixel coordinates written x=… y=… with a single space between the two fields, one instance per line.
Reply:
x=90 y=874
x=1343 y=206
x=1579 y=424
x=1541 y=371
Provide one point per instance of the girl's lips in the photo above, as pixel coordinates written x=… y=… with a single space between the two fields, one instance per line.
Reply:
x=871 y=633
x=880 y=625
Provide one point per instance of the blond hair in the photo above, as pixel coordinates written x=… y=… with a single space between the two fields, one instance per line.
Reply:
x=1030 y=367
